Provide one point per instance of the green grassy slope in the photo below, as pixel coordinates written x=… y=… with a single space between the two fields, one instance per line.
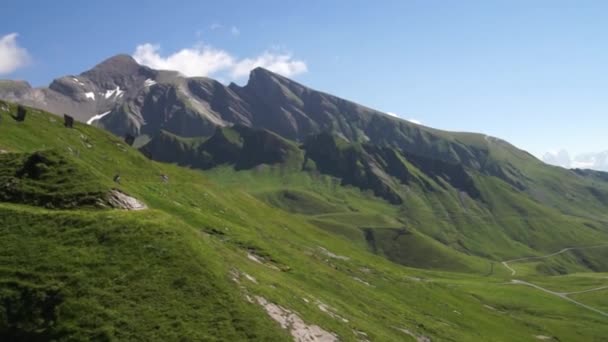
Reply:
x=456 y=212
x=185 y=268
x=428 y=230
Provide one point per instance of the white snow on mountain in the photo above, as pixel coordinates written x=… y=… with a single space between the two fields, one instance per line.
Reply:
x=77 y=81
x=149 y=83
x=115 y=92
x=97 y=117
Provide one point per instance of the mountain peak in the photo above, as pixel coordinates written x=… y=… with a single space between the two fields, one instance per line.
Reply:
x=120 y=70
x=263 y=78
x=260 y=72
x=121 y=63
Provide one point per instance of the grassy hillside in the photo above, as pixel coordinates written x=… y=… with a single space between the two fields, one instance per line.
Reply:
x=455 y=212
x=216 y=250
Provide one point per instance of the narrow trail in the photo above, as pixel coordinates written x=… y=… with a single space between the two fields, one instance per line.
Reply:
x=506 y=264
x=513 y=272
x=562 y=295
x=585 y=291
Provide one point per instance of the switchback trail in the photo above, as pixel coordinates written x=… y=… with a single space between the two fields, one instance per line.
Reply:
x=562 y=295
x=513 y=272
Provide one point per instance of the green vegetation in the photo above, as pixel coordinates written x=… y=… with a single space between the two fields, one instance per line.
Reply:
x=186 y=268
x=47 y=178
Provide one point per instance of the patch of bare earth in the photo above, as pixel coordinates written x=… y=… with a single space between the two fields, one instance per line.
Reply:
x=300 y=331
x=332 y=255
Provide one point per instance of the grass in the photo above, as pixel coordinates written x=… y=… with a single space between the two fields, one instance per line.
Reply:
x=166 y=273
x=50 y=179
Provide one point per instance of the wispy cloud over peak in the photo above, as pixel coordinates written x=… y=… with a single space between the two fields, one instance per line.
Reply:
x=205 y=60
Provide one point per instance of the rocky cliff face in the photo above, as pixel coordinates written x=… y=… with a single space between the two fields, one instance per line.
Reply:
x=125 y=97
x=89 y=94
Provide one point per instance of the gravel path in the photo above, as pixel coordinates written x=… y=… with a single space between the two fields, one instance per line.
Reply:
x=562 y=295
x=513 y=272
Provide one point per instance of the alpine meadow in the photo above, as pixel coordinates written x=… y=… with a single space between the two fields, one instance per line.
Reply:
x=143 y=201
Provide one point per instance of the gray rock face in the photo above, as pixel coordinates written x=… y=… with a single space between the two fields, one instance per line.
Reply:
x=127 y=98
x=91 y=93
x=119 y=200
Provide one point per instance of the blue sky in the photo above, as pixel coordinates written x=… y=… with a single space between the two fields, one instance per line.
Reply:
x=534 y=73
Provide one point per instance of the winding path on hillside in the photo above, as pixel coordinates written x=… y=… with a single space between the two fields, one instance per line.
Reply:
x=562 y=295
x=513 y=272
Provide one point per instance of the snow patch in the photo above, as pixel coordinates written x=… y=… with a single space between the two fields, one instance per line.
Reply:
x=77 y=81
x=97 y=117
x=115 y=92
x=90 y=95
x=149 y=82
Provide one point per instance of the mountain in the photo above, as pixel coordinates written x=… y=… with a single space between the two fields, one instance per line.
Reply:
x=84 y=96
x=124 y=97
x=238 y=145
x=293 y=179
x=272 y=120
x=127 y=98
x=261 y=247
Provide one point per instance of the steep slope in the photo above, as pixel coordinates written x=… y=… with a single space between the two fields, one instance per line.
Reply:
x=127 y=98
x=440 y=209
x=383 y=169
x=91 y=93
x=53 y=180
x=139 y=100
x=239 y=146
x=212 y=262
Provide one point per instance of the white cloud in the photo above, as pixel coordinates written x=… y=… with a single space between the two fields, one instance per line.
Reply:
x=417 y=122
x=595 y=161
x=198 y=61
x=558 y=158
x=282 y=64
x=205 y=60
x=12 y=56
x=216 y=26
x=393 y=114
x=235 y=31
